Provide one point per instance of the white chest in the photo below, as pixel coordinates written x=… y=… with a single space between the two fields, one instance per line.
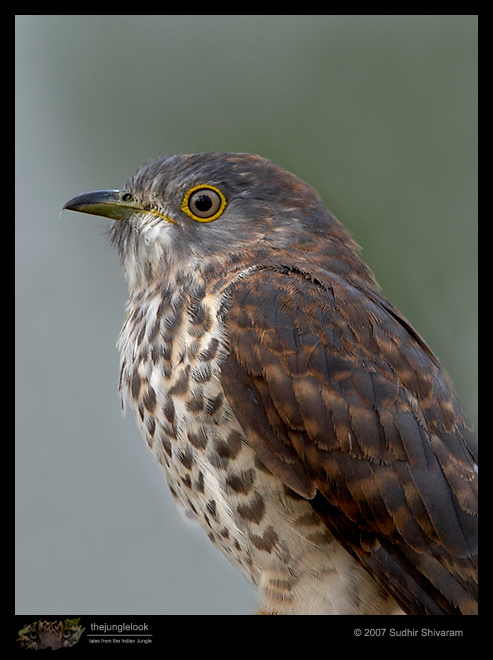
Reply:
x=172 y=346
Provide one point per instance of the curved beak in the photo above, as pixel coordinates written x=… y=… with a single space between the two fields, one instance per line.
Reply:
x=114 y=204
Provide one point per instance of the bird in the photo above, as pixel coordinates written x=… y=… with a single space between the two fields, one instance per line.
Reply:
x=297 y=415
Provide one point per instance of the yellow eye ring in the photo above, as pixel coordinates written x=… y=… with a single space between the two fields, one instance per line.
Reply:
x=204 y=203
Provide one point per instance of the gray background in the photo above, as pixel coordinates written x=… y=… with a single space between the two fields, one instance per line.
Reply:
x=377 y=112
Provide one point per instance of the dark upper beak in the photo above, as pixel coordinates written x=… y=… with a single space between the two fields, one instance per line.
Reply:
x=115 y=204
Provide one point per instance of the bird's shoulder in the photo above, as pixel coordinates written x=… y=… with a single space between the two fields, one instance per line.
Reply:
x=321 y=342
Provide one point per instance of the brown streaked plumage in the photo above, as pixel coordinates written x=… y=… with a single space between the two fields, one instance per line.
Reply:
x=294 y=410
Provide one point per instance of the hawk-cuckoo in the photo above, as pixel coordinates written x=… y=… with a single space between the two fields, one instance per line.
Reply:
x=293 y=409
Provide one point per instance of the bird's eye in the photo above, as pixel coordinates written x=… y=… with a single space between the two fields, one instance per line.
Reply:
x=204 y=203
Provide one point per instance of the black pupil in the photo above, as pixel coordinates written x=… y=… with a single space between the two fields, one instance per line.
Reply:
x=203 y=203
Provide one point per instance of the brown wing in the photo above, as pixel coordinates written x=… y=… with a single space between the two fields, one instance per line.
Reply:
x=344 y=401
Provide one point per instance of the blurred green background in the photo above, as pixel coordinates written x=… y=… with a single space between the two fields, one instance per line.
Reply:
x=378 y=113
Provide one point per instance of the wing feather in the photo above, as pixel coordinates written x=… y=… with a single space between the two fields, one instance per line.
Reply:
x=343 y=400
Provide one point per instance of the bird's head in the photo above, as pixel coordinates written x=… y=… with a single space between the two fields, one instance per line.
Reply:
x=181 y=211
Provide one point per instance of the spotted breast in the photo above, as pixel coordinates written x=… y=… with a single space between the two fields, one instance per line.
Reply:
x=172 y=346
